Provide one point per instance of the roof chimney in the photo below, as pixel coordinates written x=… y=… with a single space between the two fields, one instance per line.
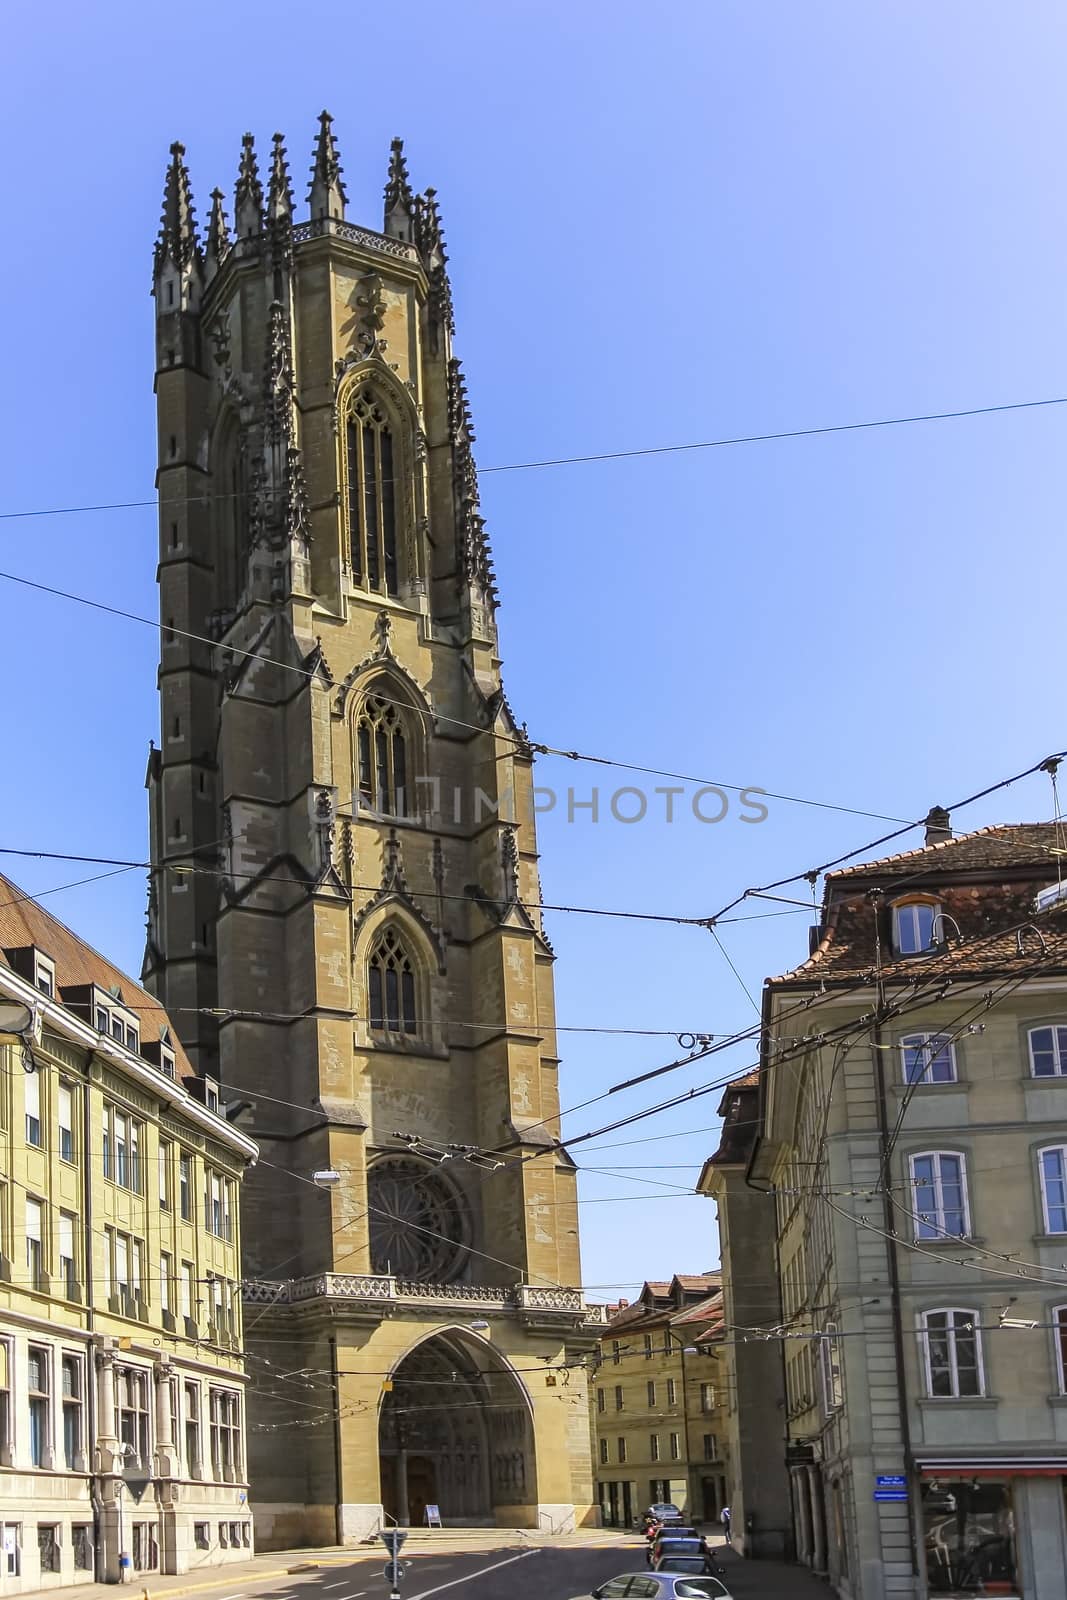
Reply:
x=938 y=825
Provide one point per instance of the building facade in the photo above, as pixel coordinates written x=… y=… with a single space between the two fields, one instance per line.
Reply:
x=347 y=904
x=658 y=1403
x=752 y=1372
x=914 y=1132
x=122 y=1384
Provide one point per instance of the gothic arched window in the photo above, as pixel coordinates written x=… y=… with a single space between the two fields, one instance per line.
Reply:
x=391 y=986
x=381 y=757
x=372 y=530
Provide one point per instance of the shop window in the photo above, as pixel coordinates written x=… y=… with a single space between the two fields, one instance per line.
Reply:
x=968 y=1529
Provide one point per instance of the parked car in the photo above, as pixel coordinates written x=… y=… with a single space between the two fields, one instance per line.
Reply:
x=662 y=1531
x=662 y=1586
x=667 y=1553
x=661 y=1511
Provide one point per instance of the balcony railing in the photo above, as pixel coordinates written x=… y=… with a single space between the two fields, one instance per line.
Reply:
x=522 y=1297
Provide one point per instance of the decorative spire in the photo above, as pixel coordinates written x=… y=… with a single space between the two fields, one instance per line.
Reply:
x=399 y=199
x=280 y=192
x=475 y=557
x=430 y=239
x=178 y=239
x=248 y=207
x=218 y=234
x=327 y=193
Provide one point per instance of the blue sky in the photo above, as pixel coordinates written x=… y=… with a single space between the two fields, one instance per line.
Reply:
x=707 y=220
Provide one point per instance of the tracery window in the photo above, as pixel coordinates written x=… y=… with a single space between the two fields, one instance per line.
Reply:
x=381 y=756
x=418 y=1223
x=372 y=531
x=391 y=986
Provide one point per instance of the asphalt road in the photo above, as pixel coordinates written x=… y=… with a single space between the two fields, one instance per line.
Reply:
x=508 y=1573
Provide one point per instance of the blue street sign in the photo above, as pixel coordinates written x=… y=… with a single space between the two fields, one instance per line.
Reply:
x=890 y=1480
x=891 y=1494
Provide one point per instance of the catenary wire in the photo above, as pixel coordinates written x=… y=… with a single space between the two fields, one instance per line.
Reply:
x=516 y=741
x=604 y=455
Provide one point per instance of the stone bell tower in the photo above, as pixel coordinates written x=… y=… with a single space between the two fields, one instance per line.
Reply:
x=343 y=917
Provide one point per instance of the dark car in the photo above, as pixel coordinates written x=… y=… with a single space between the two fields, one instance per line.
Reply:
x=666 y=1531
x=681 y=1555
x=662 y=1586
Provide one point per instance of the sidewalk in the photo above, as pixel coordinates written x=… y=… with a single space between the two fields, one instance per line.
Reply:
x=755 y=1580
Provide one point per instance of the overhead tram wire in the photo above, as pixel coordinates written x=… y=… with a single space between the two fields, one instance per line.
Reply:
x=598 y=456
x=815 y=872
x=516 y=741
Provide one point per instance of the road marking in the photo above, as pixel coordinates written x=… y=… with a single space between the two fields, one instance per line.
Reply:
x=468 y=1577
x=336 y=1585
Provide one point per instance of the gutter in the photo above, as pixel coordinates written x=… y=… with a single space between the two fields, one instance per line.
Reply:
x=70 y=1027
x=889 y=1223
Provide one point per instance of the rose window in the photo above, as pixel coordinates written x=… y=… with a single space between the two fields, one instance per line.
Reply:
x=418 y=1223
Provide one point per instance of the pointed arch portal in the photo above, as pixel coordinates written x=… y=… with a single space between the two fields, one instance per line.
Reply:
x=455 y=1431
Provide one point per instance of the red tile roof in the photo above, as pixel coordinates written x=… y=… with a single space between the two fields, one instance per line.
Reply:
x=24 y=921
x=985 y=883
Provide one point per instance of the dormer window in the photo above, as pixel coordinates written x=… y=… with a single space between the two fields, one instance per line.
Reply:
x=166 y=1062
x=916 y=925
x=44 y=974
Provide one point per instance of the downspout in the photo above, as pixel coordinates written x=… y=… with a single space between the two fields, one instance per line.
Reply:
x=90 y=1322
x=889 y=1224
x=764 y=1067
x=336 y=1379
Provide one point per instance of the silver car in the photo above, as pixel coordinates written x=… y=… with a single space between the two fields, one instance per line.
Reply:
x=662 y=1586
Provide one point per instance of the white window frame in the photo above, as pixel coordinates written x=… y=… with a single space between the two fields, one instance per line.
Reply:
x=707 y=1397
x=933 y=1045
x=650 y=1390
x=32 y=1107
x=830 y=1370
x=672 y=1392
x=35 y=1230
x=653 y=1446
x=123 y=1138
x=675 y=1447
x=974 y=1319
x=909 y=910
x=938 y=1215
x=166 y=1150
x=1059 y=1334
x=65 y=1118
x=1059 y=1051
x=1061 y=1151
x=44 y=974
x=66 y=1227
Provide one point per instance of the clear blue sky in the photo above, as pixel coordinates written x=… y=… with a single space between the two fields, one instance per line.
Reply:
x=666 y=224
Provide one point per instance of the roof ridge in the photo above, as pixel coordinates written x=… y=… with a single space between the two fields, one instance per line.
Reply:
x=23 y=896
x=938 y=845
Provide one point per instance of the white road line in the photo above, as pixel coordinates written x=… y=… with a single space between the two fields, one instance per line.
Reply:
x=469 y=1577
x=336 y=1585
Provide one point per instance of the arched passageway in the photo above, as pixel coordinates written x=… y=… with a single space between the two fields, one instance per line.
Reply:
x=455 y=1432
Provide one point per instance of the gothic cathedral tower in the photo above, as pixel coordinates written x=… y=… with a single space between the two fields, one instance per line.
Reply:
x=345 y=887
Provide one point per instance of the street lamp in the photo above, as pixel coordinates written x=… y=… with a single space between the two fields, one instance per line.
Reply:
x=685 y=1350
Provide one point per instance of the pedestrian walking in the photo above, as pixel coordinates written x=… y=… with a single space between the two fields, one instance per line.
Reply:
x=725 y=1519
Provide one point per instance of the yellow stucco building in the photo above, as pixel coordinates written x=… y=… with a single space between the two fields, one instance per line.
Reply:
x=346 y=914
x=659 y=1403
x=122 y=1426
